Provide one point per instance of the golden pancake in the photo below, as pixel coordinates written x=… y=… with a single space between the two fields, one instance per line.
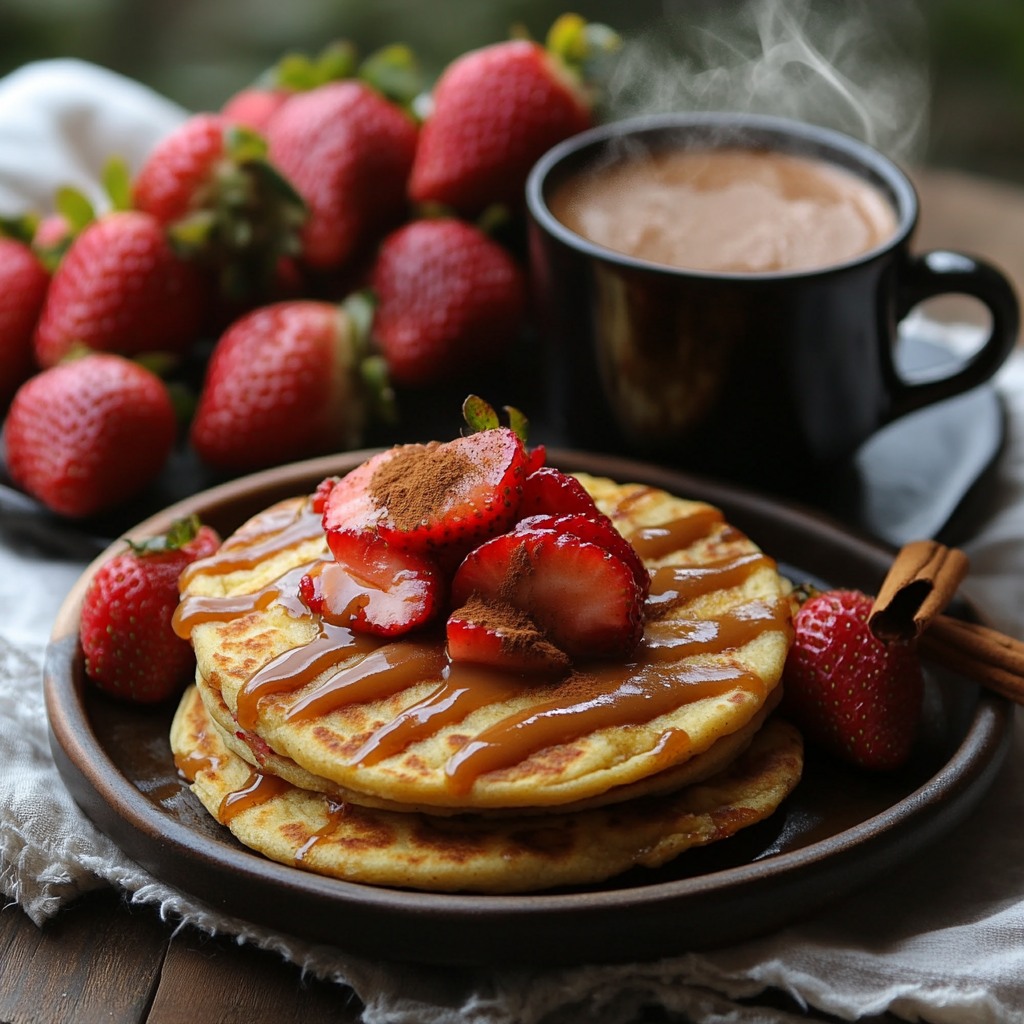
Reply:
x=251 y=749
x=396 y=723
x=469 y=853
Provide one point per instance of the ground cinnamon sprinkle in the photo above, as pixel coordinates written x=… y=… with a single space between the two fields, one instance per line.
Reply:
x=517 y=630
x=417 y=482
x=519 y=567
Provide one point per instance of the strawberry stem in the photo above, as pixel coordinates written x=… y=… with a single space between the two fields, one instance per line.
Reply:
x=179 y=534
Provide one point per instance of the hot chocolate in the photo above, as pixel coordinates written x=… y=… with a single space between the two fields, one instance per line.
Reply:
x=729 y=210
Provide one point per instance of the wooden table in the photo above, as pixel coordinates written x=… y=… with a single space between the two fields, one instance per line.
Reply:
x=102 y=960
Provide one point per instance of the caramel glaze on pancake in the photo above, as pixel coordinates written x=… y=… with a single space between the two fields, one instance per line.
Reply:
x=469 y=853
x=416 y=695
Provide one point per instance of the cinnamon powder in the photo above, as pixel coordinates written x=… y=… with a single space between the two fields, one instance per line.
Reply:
x=517 y=630
x=417 y=483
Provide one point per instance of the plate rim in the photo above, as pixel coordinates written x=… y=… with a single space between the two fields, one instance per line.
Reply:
x=113 y=802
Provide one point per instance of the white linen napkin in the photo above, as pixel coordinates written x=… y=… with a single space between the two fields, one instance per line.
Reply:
x=939 y=940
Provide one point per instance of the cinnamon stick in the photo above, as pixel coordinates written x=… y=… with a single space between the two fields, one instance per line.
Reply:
x=923 y=579
x=985 y=655
x=921 y=582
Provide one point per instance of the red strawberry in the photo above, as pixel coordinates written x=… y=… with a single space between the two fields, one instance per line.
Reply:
x=848 y=690
x=348 y=151
x=120 y=288
x=436 y=498
x=130 y=648
x=538 y=456
x=85 y=436
x=501 y=635
x=449 y=300
x=23 y=284
x=496 y=111
x=595 y=529
x=222 y=203
x=580 y=595
x=283 y=383
x=255 y=106
x=295 y=72
x=372 y=587
x=550 y=492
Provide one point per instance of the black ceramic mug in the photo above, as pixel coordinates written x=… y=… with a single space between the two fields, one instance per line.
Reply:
x=768 y=378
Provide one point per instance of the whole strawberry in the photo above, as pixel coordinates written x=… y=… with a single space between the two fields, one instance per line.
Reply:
x=120 y=288
x=223 y=205
x=847 y=690
x=284 y=382
x=130 y=647
x=85 y=436
x=348 y=151
x=496 y=111
x=255 y=105
x=23 y=283
x=449 y=299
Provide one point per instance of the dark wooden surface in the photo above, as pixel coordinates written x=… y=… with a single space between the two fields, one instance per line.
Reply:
x=101 y=960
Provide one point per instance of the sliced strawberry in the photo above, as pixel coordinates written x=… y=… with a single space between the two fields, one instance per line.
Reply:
x=584 y=598
x=349 y=506
x=323 y=491
x=597 y=529
x=536 y=458
x=550 y=492
x=449 y=497
x=499 y=634
x=372 y=588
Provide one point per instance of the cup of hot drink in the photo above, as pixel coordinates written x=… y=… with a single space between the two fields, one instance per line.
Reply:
x=722 y=292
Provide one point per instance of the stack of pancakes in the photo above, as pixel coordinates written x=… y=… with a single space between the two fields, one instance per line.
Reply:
x=378 y=762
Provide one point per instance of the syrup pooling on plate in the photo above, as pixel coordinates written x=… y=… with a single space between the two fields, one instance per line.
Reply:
x=654 y=682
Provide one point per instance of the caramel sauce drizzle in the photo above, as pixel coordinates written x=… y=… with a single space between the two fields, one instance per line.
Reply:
x=285 y=529
x=466 y=688
x=299 y=666
x=661 y=540
x=621 y=695
x=258 y=789
x=675 y=585
x=335 y=813
x=191 y=764
x=673 y=639
x=386 y=671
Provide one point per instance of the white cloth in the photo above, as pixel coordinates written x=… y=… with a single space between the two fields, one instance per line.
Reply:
x=939 y=940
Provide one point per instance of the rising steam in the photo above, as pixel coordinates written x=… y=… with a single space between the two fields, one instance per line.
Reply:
x=854 y=65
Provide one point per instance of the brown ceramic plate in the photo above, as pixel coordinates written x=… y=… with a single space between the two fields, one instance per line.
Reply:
x=839 y=829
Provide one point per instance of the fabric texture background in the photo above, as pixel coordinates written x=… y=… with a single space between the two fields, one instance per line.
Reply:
x=939 y=940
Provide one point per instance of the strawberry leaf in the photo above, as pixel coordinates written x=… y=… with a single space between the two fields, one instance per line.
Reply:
x=21 y=228
x=336 y=60
x=179 y=534
x=117 y=183
x=359 y=307
x=73 y=206
x=394 y=72
x=243 y=144
x=377 y=384
x=517 y=422
x=478 y=414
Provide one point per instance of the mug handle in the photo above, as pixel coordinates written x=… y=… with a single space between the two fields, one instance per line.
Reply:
x=938 y=273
